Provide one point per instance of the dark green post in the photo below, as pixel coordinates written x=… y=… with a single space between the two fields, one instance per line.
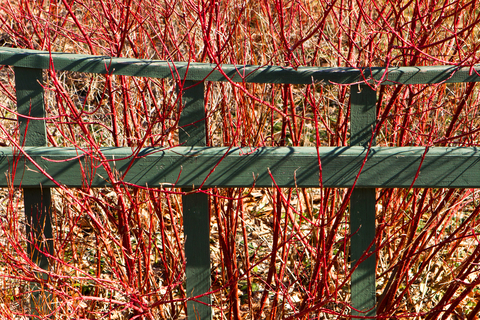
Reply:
x=37 y=201
x=362 y=205
x=196 y=222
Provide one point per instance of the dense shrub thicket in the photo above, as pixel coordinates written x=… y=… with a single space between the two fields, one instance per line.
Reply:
x=428 y=255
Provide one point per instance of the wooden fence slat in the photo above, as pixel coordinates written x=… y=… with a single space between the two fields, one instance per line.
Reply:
x=362 y=206
x=37 y=199
x=196 y=219
x=443 y=167
x=236 y=73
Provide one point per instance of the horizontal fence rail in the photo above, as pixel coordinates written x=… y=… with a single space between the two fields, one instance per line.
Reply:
x=236 y=73
x=36 y=167
x=191 y=167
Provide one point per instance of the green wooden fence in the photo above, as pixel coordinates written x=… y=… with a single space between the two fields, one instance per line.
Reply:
x=189 y=165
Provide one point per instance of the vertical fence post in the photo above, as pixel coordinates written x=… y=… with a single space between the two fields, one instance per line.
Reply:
x=362 y=205
x=196 y=222
x=37 y=201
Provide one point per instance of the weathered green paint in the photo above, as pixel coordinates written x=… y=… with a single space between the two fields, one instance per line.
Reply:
x=236 y=73
x=39 y=230
x=363 y=116
x=187 y=167
x=192 y=130
x=196 y=215
x=196 y=227
x=29 y=91
x=362 y=226
x=37 y=199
